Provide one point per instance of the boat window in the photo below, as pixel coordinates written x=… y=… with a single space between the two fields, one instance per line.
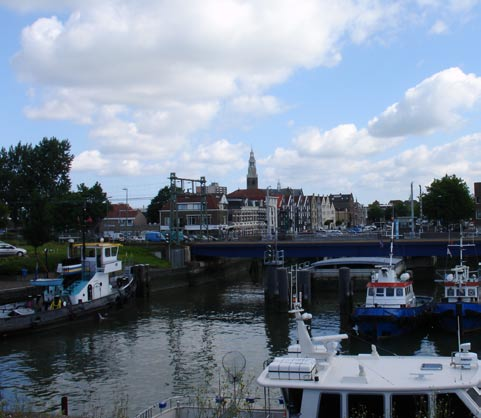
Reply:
x=450 y=291
x=390 y=291
x=330 y=406
x=461 y=292
x=114 y=251
x=107 y=252
x=450 y=402
x=361 y=405
x=370 y=291
x=399 y=291
x=471 y=292
x=380 y=291
x=410 y=406
x=293 y=400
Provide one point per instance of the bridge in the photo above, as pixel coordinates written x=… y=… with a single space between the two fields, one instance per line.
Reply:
x=352 y=247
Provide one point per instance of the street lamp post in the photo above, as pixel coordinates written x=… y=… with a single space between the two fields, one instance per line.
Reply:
x=126 y=205
x=268 y=209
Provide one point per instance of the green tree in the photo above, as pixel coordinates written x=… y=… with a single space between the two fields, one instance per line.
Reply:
x=32 y=180
x=3 y=215
x=16 y=181
x=88 y=205
x=37 y=227
x=375 y=213
x=156 y=204
x=41 y=171
x=448 y=200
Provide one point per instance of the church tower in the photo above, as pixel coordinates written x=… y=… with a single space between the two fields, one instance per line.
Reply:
x=252 y=173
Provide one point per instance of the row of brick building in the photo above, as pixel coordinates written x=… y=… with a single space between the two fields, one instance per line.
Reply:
x=245 y=212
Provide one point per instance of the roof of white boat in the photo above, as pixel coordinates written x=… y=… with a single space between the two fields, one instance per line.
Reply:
x=374 y=373
x=356 y=261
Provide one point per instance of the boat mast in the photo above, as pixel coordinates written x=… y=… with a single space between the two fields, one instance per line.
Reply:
x=392 y=244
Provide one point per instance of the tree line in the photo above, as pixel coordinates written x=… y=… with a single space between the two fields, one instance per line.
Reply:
x=36 y=195
x=446 y=201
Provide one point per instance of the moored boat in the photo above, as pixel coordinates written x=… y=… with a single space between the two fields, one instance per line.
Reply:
x=90 y=280
x=459 y=309
x=391 y=307
x=317 y=381
x=360 y=267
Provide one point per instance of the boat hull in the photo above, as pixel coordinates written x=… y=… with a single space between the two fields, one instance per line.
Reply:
x=446 y=315
x=42 y=319
x=385 y=322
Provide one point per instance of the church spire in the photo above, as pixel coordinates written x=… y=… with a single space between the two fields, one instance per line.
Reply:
x=252 y=173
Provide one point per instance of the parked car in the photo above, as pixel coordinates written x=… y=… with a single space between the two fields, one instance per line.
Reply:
x=334 y=232
x=8 y=249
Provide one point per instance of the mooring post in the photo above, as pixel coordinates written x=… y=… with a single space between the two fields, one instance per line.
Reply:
x=304 y=277
x=345 y=294
x=142 y=277
x=272 y=288
x=64 y=405
x=283 y=285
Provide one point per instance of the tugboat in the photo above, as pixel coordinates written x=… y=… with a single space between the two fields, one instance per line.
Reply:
x=391 y=307
x=317 y=381
x=459 y=309
x=90 y=280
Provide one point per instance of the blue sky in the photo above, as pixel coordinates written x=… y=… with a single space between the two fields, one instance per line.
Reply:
x=362 y=97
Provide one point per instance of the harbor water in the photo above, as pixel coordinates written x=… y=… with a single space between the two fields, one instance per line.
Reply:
x=173 y=344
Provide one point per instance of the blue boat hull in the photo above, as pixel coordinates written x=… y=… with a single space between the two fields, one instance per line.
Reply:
x=379 y=322
x=445 y=316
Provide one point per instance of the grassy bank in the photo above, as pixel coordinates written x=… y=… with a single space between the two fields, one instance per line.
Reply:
x=52 y=253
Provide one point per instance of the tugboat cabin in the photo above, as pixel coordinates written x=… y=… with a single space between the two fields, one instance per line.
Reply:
x=459 y=286
x=99 y=257
x=384 y=290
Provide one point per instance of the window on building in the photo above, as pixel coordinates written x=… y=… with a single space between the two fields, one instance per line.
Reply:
x=189 y=206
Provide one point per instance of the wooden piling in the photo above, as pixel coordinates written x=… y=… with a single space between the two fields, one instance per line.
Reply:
x=345 y=295
x=142 y=278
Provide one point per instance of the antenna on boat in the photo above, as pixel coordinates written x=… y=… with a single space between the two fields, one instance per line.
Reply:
x=459 y=334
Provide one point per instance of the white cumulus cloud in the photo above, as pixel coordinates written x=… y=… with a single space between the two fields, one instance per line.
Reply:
x=437 y=103
x=343 y=140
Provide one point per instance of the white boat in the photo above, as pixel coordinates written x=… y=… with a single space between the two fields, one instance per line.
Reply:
x=317 y=381
x=460 y=304
x=90 y=280
x=360 y=267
